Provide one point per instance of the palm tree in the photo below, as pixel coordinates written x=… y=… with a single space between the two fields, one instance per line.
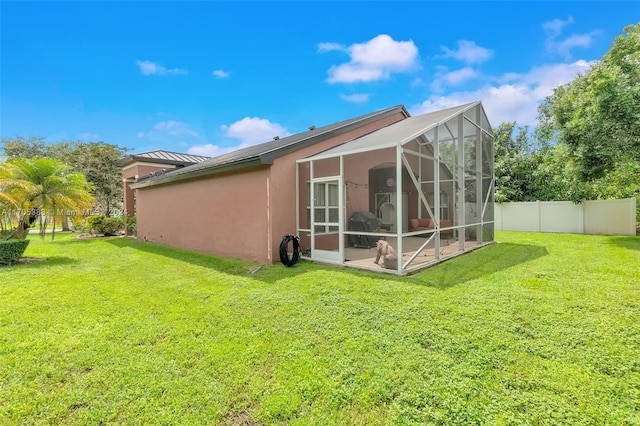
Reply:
x=39 y=188
x=8 y=203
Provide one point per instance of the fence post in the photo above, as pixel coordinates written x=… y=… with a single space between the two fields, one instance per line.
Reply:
x=632 y=224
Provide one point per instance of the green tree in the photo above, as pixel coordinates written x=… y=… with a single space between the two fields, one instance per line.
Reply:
x=8 y=203
x=35 y=147
x=40 y=188
x=528 y=169
x=597 y=115
x=96 y=160
x=555 y=177
x=513 y=163
x=20 y=147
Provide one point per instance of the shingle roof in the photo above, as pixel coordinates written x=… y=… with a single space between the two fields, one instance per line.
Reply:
x=265 y=153
x=163 y=157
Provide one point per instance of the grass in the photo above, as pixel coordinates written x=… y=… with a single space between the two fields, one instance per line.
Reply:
x=537 y=329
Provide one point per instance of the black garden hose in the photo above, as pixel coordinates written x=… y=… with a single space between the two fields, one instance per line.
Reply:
x=284 y=250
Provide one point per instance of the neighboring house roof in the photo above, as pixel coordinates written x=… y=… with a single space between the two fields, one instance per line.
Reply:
x=162 y=157
x=267 y=152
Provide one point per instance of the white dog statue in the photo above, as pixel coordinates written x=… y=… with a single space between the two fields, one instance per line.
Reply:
x=388 y=254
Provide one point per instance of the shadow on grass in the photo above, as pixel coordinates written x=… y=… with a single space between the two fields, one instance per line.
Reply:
x=41 y=262
x=479 y=263
x=470 y=266
x=59 y=260
x=238 y=267
x=630 y=242
x=78 y=240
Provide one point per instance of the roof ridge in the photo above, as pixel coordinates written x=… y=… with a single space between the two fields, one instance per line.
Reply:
x=351 y=120
x=169 y=152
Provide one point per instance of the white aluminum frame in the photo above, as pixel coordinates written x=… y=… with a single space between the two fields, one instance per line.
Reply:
x=401 y=159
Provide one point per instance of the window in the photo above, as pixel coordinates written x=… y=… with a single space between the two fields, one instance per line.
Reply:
x=327 y=208
x=444 y=205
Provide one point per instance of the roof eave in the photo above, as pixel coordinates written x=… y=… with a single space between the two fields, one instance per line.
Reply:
x=123 y=162
x=254 y=161
x=269 y=157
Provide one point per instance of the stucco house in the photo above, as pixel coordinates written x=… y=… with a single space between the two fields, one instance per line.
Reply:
x=339 y=187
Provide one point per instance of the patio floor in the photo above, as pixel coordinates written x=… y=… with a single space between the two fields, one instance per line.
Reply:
x=449 y=247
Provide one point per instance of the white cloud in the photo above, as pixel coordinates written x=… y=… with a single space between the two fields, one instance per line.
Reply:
x=169 y=131
x=250 y=131
x=209 y=150
x=356 y=98
x=373 y=60
x=469 y=52
x=87 y=136
x=254 y=130
x=153 y=68
x=557 y=45
x=554 y=28
x=509 y=76
x=564 y=47
x=221 y=73
x=514 y=100
x=444 y=77
x=328 y=47
x=458 y=76
x=175 y=128
x=543 y=79
x=348 y=73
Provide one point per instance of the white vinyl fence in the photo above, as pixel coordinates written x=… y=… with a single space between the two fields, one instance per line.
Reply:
x=615 y=217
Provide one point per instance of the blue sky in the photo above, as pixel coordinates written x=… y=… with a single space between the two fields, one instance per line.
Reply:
x=208 y=77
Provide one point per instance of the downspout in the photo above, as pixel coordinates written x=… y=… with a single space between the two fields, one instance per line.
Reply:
x=436 y=189
x=269 y=230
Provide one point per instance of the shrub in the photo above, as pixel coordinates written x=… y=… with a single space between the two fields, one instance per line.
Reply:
x=131 y=223
x=12 y=250
x=105 y=225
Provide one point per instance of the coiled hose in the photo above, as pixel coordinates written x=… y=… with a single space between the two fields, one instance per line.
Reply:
x=284 y=250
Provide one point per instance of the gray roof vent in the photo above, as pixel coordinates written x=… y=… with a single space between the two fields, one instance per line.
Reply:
x=275 y=138
x=312 y=127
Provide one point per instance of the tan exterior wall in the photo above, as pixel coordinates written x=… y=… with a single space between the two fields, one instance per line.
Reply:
x=283 y=178
x=129 y=175
x=224 y=215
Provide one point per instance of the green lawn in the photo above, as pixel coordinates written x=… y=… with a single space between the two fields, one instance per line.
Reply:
x=537 y=329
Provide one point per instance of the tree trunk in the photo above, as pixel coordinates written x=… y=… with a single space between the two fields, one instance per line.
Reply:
x=65 y=223
x=24 y=224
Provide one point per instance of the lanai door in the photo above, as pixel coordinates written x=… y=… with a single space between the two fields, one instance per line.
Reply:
x=326 y=212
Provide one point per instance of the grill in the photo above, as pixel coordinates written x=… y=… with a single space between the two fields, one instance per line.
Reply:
x=363 y=222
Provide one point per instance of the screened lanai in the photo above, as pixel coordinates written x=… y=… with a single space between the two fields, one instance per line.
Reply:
x=424 y=186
